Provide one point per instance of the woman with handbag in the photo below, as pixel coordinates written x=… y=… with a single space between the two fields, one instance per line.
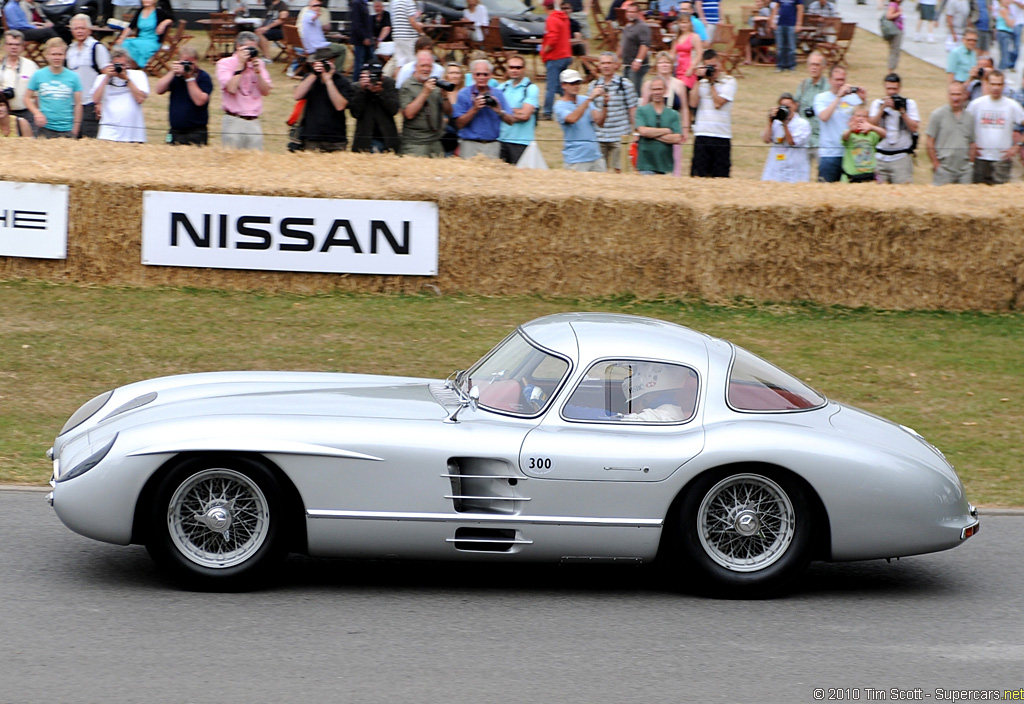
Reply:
x=892 y=32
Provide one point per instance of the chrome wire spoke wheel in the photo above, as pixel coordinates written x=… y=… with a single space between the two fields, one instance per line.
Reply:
x=218 y=518
x=746 y=522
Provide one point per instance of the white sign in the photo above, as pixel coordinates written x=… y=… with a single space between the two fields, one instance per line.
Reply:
x=33 y=220
x=289 y=234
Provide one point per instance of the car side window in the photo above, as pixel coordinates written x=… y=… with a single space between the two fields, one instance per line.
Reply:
x=632 y=391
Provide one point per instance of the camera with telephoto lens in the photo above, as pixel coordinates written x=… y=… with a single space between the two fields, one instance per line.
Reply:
x=899 y=103
x=709 y=72
x=809 y=113
x=781 y=113
x=376 y=72
x=447 y=86
x=252 y=51
x=8 y=92
x=490 y=102
x=118 y=68
x=186 y=66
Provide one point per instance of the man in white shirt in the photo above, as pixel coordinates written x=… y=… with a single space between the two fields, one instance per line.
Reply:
x=998 y=133
x=119 y=91
x=477 y=14
x=712 y=131
x=900 y=118
x=86 y=57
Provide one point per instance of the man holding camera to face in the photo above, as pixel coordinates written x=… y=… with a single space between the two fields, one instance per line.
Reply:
x=894 y=155
x=789 y=134
x=374 y=105
x=118 y=93
x=478 y=114
x=326 y=93
x=424 y=107
x=190 y=88
x=712 y=130
x=244 y=81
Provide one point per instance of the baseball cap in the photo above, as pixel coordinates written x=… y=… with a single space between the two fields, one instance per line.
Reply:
x=570 y=75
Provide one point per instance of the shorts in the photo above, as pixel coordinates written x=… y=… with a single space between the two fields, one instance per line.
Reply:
x=927 y=12
x=611 y=152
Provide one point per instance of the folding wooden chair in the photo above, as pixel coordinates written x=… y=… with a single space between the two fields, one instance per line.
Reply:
x=494 y=47
x=729 y=51
x=607 y=35
x=30 y=50
x=160 y=62
x=292 y=45
x=835 y=51
x=223 y=32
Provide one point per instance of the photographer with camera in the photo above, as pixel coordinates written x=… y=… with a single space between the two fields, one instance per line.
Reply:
x=374 y=104
x=789 y=134
x=479 y=112
x=119 y=92
x=900 y=118
x=244 y=81
x=326 y=92
x=190 y=88
x=834 y=109
x=976 y=85
x=15 y=73
x=712 y=130
x=424 y=107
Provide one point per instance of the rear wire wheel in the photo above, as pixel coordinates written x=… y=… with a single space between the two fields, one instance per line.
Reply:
x=746 y=533
x=217 y=523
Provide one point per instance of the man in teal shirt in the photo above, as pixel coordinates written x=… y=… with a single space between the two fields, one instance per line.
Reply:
x=54 y=95
x=523 y=99
x=963 y=58
x=659 y=128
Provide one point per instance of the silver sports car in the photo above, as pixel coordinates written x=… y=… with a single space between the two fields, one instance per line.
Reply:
x=580 y=438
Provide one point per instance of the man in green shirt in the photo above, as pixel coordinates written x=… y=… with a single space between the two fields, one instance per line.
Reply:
x=424 y=108
x=659 y=128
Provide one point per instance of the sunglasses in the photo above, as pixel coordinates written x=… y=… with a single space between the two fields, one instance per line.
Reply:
x=517 y=67
x=482 y=73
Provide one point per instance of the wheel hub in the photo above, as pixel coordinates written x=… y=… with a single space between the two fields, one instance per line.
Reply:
x=217 y=517
x=747 y=523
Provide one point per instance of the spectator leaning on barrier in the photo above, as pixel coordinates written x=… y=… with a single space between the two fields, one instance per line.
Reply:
x=189 y=107
x=374 y=104
x=86 y=57
x=54 y=95
x=326 y=92
x=635 y=46
x=423 y=109
x=810 y=88
x=244 y=82
x=523 y=99
x=620 y=103
x=950 y=136
x=479 y=113
x=119 y=91
x=660 y=129
x=900 y=118
x=712 y=131
x=577 y=114
x=833 y=110
x=998 y=132
x=555 y=52
x=15 y=73
x=789 y=135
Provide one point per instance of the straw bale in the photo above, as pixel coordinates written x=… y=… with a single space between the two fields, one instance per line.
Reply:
x=509 y=231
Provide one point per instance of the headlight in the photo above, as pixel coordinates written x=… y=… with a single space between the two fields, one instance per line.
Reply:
x=86 y=412
x=88 y=463
x=131 y=405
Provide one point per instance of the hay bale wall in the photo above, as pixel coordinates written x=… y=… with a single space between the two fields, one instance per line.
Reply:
x=505 y=231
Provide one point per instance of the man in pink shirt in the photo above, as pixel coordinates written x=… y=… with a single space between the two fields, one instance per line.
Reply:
x=243 y=82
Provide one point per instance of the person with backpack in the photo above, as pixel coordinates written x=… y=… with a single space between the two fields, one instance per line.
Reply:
x=87 y=58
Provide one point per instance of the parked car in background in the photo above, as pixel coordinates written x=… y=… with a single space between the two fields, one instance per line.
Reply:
x=60 y=12
x=515 y=17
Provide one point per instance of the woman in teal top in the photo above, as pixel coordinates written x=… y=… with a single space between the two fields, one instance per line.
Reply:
x=148 y=27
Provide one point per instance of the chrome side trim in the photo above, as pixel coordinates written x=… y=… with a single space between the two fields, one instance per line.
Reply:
x=484 y=476
x=489 y=541
x=489 y=498
x=465 y=518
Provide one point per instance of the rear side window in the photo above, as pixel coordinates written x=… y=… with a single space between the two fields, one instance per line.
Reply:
x=756 y=385
x=631 y=391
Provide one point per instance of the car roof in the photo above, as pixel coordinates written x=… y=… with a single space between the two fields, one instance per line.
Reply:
x=584 y=337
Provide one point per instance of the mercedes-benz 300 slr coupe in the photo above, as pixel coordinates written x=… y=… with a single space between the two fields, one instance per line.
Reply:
x=580 y=437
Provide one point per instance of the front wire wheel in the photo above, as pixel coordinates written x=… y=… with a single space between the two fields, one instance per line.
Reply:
x=746 y=533
x=218 y=523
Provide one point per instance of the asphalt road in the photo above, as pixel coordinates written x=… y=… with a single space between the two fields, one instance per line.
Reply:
x=87 y=622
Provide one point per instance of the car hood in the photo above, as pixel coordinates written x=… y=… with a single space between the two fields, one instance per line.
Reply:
x=269 y=394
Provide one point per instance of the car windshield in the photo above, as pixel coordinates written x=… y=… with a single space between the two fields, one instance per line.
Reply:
x=515 y=377
x=756 y=385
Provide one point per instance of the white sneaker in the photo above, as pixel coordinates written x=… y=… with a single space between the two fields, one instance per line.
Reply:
x=931 y=38
x=917 y=37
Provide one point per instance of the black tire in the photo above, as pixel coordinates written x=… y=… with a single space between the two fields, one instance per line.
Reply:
x=217 y=523
x=745 y=532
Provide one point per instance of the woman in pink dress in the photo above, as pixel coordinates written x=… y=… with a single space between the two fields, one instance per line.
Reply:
x=688 y=51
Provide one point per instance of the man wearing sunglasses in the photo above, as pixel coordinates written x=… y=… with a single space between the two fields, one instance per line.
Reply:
x=479 y=113
x=523 y=99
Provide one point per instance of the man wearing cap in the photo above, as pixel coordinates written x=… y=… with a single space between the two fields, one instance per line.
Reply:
x=555 y=52
x=577 y=114
x=479 y=113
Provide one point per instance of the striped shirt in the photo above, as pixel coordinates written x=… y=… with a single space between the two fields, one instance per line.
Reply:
x=621 y=98
x=401 y=12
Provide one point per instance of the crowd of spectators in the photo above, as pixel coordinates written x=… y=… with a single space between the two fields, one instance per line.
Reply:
x=827 y=129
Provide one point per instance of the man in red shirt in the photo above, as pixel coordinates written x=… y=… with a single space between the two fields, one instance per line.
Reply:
x=555 y=52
